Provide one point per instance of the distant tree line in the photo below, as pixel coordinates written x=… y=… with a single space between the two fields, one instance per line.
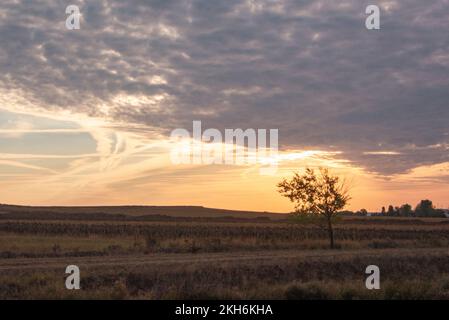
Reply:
x=424 y=208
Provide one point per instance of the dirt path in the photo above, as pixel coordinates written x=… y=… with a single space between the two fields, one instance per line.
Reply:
x=203 y=258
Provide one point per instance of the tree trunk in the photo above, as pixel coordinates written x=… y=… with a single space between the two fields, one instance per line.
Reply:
x=331 y=231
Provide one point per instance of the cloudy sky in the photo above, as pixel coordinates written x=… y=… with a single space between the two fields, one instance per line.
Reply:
x=86 y=115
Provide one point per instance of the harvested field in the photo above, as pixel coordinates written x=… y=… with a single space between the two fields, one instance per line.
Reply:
x=212 y=259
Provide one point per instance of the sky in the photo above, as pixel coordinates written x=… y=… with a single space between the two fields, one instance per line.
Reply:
x=86 y=115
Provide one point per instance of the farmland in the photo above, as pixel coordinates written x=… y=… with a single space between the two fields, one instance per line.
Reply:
x=212 y=257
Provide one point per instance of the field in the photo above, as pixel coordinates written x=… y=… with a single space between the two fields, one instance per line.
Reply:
x=128 y=257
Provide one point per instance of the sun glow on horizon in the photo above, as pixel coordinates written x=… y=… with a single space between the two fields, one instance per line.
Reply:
x=113 y=166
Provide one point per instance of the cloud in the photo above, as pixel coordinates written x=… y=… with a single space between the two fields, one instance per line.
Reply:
x=308 y=68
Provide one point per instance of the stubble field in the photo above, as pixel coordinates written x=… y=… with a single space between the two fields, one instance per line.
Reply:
x=215 y=259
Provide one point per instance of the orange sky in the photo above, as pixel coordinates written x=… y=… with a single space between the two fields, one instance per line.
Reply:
x=89 y=162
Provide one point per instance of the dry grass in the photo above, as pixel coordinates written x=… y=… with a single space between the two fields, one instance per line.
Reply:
x=177 y=260
x=321 y=274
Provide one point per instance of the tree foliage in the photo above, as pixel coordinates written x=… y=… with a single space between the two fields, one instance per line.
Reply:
x=425 y=209
x=316 y=194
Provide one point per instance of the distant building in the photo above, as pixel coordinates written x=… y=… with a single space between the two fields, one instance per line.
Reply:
x=446 y=213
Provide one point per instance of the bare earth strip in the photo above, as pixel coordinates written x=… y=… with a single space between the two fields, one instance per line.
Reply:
x=162 y=260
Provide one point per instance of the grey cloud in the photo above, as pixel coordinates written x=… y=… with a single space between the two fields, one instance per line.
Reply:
x=310 y=68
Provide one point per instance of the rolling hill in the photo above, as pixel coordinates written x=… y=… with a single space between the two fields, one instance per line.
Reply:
x=130 y=212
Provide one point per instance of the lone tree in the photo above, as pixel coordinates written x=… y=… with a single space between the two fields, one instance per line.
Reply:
x=406 y=210
x=425 y=209
x=316 y=194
